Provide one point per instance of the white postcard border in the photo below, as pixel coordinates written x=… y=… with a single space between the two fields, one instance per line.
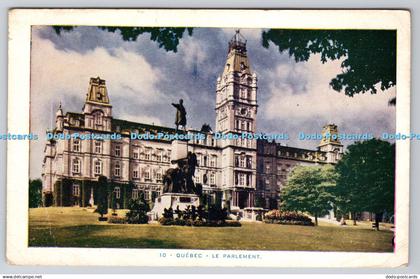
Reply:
x=20 y=22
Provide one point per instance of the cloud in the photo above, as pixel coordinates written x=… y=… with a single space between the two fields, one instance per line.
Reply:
x=63 y=75
x=300 y=99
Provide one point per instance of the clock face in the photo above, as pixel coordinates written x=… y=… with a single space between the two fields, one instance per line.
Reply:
x=244 y=111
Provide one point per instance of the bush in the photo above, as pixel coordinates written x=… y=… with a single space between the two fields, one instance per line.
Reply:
x=196 y=216
x=138 y=212
x=117 y=220
x=287 y=218
x=179 y=222
x=166 y=221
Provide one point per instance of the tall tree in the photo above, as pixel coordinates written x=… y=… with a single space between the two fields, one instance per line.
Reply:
x=309 y=189
x=366 y=175
x=35 y=193
x=102 y=193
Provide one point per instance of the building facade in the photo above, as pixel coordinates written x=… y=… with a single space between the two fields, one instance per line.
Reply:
x=236 y=173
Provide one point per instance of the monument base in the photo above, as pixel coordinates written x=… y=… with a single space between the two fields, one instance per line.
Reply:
x=173 y=200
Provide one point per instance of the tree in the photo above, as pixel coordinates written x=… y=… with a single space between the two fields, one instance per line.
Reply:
x=366 y=178
x=35 y=193
x=138 y=211
x=309 y=189
x=102 y=193
x=369 y=55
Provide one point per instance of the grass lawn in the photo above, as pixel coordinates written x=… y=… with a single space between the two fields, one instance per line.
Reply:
x=79 y=227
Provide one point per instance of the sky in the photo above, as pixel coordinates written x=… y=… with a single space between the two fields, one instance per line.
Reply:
x=143 y=80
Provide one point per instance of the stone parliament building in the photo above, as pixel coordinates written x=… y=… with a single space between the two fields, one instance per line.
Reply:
x=236 y=173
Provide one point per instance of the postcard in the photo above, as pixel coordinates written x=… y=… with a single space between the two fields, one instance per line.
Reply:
x=254 y=138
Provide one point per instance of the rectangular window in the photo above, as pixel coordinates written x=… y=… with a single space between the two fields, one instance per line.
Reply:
x=118 y=150
x=136 y=153
x=147 y=154
x=76 y=166
x=159 y=176
x=76 y=145
x=76 y=190
x=117 y=170
x=213 y=161
x=98 y=167
x=241 y=179
x=212 y=179
x=98 y=147
x=159 y=155
x=242 y=162
x=147 y=174
x=135 y=173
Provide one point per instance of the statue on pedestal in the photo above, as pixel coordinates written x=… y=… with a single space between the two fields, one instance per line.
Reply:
x=180 y=118
x=180 y=179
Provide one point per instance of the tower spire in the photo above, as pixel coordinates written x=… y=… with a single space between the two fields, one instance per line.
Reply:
x=237 y=59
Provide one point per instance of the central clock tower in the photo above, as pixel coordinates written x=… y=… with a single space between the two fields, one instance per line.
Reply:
x=236 y=110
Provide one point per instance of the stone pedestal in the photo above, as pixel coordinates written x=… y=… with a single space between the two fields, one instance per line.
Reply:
x=179 y=150
x=173 y=200
x=253 y=214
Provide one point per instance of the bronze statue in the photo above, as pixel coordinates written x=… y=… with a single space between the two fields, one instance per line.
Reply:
x=180 y=179
x=180 y=119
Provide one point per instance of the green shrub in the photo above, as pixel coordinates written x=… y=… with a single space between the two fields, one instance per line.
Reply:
x=138 y=212
x=179 y=222
x=117 y=220
x=287 y=218
x=165 y=221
